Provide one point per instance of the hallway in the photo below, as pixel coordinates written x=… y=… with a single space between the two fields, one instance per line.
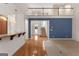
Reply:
x=35 y=46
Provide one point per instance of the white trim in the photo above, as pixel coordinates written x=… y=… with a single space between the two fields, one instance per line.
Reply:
x=48 y=29
x=31 y=29
x=60 y=38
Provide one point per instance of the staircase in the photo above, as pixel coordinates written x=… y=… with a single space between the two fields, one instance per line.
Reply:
x=43 y=32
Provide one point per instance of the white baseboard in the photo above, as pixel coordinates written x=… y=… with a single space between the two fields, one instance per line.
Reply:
x=60 y=39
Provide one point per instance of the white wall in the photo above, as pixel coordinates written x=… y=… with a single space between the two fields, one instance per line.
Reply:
x=16 y=23
x=11 y=24
x=26 y=27
x=76 y=24
x=74 y=28
x=20 y=23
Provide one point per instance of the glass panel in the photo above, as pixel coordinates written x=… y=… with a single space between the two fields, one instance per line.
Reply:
x=61 y=11
x=50 y=11
x=35 y=12
x=67 y=11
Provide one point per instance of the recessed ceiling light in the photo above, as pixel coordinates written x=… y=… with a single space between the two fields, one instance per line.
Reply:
x=67 y=6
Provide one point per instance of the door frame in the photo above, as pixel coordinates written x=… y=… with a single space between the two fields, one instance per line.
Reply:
x=29 y=25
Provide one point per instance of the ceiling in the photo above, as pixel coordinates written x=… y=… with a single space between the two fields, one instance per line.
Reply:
x=24 y=6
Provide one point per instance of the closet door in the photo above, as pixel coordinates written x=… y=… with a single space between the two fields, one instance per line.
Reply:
x=0 y=27
x=3 y=26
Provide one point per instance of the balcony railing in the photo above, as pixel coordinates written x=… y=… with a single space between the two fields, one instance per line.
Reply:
x=50 y=11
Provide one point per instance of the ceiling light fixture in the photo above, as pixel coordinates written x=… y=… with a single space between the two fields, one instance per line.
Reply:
x=67 y=6
x=4 y=18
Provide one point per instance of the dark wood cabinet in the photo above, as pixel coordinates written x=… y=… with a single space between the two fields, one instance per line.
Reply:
x=3 y=26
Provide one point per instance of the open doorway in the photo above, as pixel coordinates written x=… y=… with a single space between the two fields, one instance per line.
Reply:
x=38 y=27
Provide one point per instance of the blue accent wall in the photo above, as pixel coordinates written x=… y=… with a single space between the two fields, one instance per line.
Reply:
x=60 y=28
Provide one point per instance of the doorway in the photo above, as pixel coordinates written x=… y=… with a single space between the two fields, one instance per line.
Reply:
x=38 y=27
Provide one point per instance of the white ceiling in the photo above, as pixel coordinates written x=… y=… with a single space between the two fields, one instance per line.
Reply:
x=23 y=6
x=37 y=5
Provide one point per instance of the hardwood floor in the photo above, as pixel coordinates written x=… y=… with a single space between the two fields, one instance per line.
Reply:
x=62 y=47
x=33 y=47
x=36 y=46
x=40 y=46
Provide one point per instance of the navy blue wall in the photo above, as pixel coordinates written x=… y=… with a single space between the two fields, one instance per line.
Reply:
x=60 y=28
x=29 y=28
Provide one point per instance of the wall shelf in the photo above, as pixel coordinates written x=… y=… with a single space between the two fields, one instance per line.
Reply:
x=0 y=38
x=11 y=35
x=19 y=34
x=23 y=33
